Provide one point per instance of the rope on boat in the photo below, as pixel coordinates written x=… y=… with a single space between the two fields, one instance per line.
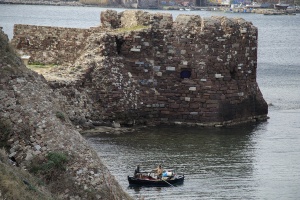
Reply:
x=168 y=183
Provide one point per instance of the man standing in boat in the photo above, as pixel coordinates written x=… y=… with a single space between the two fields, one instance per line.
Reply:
x=137 y=171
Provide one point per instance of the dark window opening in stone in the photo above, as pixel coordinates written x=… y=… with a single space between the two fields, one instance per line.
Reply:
x=119 y=43
x=233 y=73
x=185 y=73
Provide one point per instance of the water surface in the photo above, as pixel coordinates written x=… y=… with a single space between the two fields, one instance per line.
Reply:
x=257 y=161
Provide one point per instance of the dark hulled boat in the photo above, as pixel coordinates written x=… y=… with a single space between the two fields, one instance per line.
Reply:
x=153 y=182
x=281 y=6
x=169 y=178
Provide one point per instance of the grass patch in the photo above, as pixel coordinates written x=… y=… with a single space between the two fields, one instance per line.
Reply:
x=5 y=130
x=52 y=171
x=36 y=63
x=40 y=66
x=60 y=116
x=133 y=28
x=55 y=163
x=16 y=183
x=57 y=160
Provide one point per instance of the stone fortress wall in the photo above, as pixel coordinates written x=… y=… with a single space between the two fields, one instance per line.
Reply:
x=192 y=70
x=50 y=45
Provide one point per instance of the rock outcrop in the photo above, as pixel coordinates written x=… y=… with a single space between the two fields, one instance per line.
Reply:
x=146 y=68
x=33 y=123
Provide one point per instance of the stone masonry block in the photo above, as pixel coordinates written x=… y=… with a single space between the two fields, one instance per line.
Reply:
x=131 y=18
x=110 y=19
x=161 y=21
x=187 y=21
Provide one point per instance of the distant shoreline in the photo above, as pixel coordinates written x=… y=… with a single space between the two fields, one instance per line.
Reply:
x=265 y=11
x=53 y=3
x=77 y=3
x=60 y=3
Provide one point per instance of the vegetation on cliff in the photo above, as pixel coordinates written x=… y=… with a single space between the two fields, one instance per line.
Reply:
x=16 y=183
x=5 y=130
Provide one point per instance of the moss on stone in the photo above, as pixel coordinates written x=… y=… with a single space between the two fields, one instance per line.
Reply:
x=133 y=28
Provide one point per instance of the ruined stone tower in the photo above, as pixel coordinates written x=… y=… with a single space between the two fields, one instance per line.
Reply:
x=148 y=68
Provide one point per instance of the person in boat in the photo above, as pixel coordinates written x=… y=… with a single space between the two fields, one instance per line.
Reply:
x=158 y=171
x=137 y=171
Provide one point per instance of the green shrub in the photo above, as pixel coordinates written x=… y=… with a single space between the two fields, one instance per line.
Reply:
x=60 y=115
x=55 y=161
x=5 y=130
x=16 y=183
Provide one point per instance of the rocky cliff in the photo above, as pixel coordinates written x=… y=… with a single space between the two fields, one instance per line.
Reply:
x=39 y=137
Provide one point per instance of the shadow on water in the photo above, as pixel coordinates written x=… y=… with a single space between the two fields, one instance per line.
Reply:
x=216 y=161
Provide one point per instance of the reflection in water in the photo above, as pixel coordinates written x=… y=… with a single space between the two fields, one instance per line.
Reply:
x=216 y=162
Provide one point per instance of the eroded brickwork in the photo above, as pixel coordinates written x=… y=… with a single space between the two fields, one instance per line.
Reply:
x=50 y=45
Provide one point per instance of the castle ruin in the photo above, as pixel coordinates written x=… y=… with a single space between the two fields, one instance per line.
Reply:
x=145 y=68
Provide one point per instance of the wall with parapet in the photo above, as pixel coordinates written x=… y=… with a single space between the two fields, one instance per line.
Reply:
x=50 y=45
x=192 y=70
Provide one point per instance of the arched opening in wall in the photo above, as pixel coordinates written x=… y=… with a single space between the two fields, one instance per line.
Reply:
x=185 y=73
x=119 y=43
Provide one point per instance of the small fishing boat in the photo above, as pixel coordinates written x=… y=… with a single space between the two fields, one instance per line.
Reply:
x=253 y=5
x=281 y=6
x=150 y=179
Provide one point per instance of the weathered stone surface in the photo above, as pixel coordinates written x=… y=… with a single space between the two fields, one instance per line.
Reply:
x=187 y=22
x=131 y=18
x=161 y=21
x=182 y=65
x=36 y=116
x=110 y=19
x=49 y=45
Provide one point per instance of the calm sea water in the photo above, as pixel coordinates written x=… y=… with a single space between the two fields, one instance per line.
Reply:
x=257 y=161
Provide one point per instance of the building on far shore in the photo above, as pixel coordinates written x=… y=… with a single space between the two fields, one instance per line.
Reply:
x=153 y=4
x=159 y=4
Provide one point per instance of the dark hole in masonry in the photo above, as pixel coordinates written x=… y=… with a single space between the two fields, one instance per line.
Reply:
x=233 y=73
x=119 y=43
x=185 y=73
